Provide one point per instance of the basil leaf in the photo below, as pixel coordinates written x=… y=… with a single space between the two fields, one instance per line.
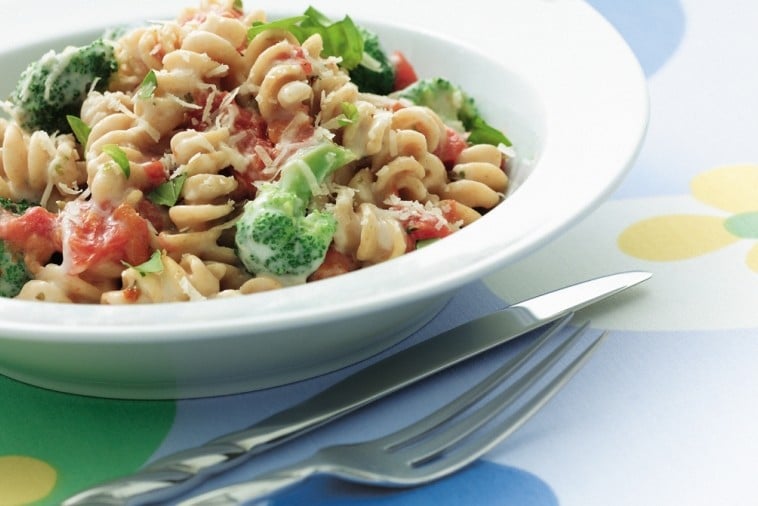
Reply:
x=483 y=133
x=316 y=18
x=288 y=24
x=118 y=156
x=168 y=193
x=148 y=86
x=341 y=38
x=151 y=265
x=349 y=113
x=80 y=128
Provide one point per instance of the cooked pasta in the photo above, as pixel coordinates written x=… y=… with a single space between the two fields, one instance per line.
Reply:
x=38 y=167
x=212 y=116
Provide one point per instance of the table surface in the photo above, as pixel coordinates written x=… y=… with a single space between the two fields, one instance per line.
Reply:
x=663 y=414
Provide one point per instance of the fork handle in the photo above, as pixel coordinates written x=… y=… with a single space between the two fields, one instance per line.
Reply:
x=256 y=488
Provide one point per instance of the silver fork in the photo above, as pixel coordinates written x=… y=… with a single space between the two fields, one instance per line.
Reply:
x=437 y=445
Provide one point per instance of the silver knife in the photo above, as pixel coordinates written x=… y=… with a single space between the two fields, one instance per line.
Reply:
x=178 y=472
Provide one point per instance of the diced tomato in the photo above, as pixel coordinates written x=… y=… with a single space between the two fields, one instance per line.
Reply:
x=157 y=215
x=131 y=294
x=195 y=117
x=35 y=232
x=255 y=136
x=155 y=172
x=420 y=228
x=405 y=74
x=97 y=239
x=451 y=147
x=334 y=264
x=254 y=139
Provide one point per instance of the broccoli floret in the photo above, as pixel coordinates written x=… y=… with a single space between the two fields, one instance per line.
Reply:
x=13 y=272
x=453 y=105
x=276 y=235
x=56 y=85
x=19 y=207
x=456 y=108
x=375 y=73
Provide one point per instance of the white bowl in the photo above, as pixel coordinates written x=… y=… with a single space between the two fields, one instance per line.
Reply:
x=572 y=98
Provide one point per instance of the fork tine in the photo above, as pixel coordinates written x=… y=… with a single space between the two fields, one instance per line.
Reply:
x=407 y=435
x=439 y=442
x=476 y=446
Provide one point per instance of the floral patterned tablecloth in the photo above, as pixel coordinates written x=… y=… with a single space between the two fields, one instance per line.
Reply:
x=664 y=413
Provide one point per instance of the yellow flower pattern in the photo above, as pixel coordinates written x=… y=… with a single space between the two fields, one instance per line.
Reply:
x=732 y=189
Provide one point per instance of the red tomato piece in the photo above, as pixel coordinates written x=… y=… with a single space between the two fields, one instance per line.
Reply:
x=451 y=146
x=97 y=239
x=424 y=227
x=36 y=233
x=405 y=74
x=155 y=172
x=334 y=264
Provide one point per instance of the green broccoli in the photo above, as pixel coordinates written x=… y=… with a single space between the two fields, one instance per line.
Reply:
x=456 y=108
x=375 y=73
x=19 y=207
x=276 y=235
x=13 y=272
x=56 y=85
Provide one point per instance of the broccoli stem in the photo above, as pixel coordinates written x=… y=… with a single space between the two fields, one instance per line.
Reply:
x=311 y=168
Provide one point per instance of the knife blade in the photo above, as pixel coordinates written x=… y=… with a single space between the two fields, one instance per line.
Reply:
x=178 y=472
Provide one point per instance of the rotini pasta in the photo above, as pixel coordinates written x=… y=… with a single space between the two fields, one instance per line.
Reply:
x=37 y=166
x=145 y=200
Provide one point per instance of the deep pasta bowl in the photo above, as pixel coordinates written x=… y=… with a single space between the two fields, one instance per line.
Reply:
x=557 y=79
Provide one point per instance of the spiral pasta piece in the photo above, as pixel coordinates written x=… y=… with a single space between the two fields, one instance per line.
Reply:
x=370 y=234
x=141 y=50
x=478 y=178
x=279 y=80
x=189 y=279
x=38 y=167
x=203 y=212
x=113 y=123
x=53 y=284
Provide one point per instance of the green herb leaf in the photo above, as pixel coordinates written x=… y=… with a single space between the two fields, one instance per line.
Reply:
x=349 y=113
x=151 y=265
x=342 y=38
x=168 y=193
x=148 y=86
x=118 y=156
x=80 y=128
x=483 y=133
x=237 y=5
x=288 y=24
